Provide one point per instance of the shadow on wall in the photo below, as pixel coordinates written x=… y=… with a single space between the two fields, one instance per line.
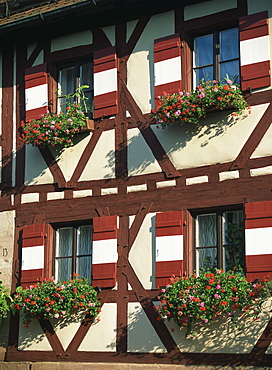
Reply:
x=175 y=137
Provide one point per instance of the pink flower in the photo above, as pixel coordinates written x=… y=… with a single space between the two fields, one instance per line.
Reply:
x=215 y=89
x=201 y=304
x=218 y=286
x=56 y=315
x=202 y=95
x=163 y=291
x=229 y=81
x=63 y=312
x=216 y=295
x=205 y=320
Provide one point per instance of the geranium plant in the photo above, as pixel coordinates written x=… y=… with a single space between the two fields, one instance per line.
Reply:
x=5 y=300
x=57 y=128
x=192 y=106
x=200 y=299
x=50 y=299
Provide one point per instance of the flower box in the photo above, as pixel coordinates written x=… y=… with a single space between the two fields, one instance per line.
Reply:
x=88 y=126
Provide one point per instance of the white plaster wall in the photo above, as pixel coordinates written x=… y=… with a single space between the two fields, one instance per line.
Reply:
x=264 y=149
x=140 y=77
x=101 y=164
x=218 y=139
x=102 y=334
x=71 y=40
x=140 y=157
x=207 y=8
x=219 y=337
x=36 y=170
x=142 y=337
x=68 y=158
x=110 y=33
x=32 y=338
x=142 y=253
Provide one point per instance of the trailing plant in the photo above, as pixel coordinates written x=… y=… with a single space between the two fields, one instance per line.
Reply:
x=5 y=300
x=50 y=299
x=57 y=128
x=192 y=106
x=200 y=299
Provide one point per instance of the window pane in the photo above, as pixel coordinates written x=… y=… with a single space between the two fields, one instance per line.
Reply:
x=206 y=230
x=63 y=269
x=203 y=50
x=206 y=259
x=66 y=84
x=84 y=240
x=86 y=75
x=231 y=69
x=84 y=266
x=64 y=247
x=233 y=227
x=229 y=44
x=205 y=73
x=234 y=257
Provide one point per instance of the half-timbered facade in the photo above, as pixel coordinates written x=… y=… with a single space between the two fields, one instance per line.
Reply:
x=130 y=205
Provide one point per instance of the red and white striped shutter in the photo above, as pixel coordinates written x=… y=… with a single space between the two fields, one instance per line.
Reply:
x=167 y=65
x=169 y=246
x=105 y=82
x=36 y=91
x=258 y=240
x=254 y=51
x=104 y=251
x=33 y=240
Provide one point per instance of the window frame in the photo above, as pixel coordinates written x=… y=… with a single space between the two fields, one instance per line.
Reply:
x=74 y=256
x=219 y=211
x=76 y=64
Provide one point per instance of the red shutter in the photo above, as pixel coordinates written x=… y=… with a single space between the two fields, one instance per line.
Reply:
x=105 y=82
x=169 y=246
x=258 y=240
x=167 y=65
x=33 y=238
x=36 y=91
x=255 y=51
x=104 y=251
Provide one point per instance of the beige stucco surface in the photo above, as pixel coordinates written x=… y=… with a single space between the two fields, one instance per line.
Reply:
x=36 y=170
x=32 y=338
x=71 y=40
x=189 y=146
x=102 y=334
x=208 y=7
x=264 y=148
x=142 y=337
x=142 y=253
x=140 y=157
x=140 y=77
x=101 y=164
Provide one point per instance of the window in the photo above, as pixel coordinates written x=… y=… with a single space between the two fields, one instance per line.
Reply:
x=73 y=252
x=217 y=55
x=73 y=76
x=220 y=240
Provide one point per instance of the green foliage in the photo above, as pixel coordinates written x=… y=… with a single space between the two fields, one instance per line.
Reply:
x=51 y=299
x=52 y=128
x=192 y=106
x=5 y=300
x=200 y=299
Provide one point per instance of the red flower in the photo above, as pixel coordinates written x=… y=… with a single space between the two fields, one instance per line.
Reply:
x=234 y=289
x=52 y=302
x=203 y=308
x=208 y=287
x=224 y=303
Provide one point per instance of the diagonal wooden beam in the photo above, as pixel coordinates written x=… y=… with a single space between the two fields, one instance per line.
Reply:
x=253 y=141
x=148 y=306
x=53 y=167
x=138 y=220
x=151 y=139
x=84 y=327
x=263 y=342
x=85 y=157
x=52 y=337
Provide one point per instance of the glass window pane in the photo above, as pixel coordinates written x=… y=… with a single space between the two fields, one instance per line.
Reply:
x=206 y=230
x=203 y=50
x=205 y=73
x=86 y=75
x=231 y=69
x=234 y=257
x=84 y=266
x=63 y=269
x=233 y=227
x=66 y=84
x=229 y=44
x=206 y=259
x=84 y=240
x=64 y=242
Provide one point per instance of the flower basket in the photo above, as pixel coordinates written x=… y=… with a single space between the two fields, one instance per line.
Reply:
x=88 y=126
x=56 y=300
x=58 y=128
x=200 y=299
x=190 y=107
